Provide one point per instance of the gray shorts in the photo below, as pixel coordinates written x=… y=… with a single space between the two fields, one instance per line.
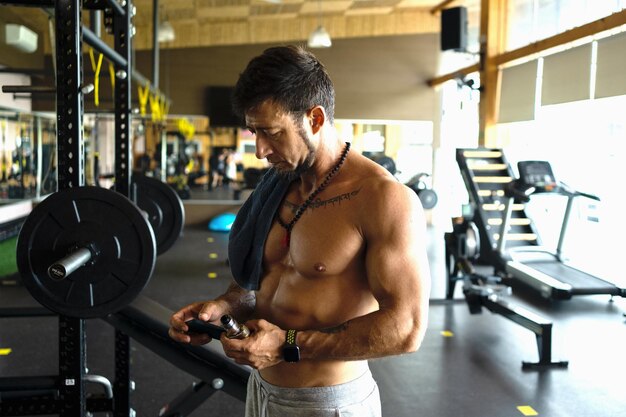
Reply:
x=359 y=397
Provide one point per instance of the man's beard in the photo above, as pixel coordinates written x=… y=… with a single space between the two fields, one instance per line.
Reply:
x=306 y=164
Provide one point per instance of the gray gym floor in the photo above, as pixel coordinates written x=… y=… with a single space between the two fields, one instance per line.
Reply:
x=469 y=365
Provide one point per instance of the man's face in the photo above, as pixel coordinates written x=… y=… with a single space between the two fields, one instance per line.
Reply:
x=280 y=139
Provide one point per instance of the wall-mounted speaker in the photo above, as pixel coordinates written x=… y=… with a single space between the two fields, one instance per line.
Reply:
x=454 y=29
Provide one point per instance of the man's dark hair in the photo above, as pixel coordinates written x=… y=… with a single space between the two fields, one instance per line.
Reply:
x=288 y=75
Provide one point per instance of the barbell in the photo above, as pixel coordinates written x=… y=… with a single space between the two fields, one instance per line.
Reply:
x=85 y=252
x=88 y=251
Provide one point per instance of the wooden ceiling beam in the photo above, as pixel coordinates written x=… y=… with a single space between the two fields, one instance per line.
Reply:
x=439 y=7
x=597 y=26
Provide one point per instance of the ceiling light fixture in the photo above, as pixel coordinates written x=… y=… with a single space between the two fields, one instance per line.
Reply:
x=20 y=37
x=319 y=38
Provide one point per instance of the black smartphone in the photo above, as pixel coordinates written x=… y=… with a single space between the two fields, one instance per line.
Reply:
x=199 y=326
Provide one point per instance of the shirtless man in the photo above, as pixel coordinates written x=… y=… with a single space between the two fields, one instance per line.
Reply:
x=345 y=275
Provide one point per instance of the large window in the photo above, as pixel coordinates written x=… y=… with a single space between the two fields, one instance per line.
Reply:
x=584 y=141
x=533 y=20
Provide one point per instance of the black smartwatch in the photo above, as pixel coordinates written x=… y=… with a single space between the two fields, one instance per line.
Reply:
x=291 y=351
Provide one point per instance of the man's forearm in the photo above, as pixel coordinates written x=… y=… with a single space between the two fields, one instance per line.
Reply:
x=374 y=335
x=241 y=302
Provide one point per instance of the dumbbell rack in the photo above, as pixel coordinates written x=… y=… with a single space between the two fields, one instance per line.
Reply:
x=69 y=34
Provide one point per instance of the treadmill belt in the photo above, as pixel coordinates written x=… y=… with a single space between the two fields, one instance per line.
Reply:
x=581 y=282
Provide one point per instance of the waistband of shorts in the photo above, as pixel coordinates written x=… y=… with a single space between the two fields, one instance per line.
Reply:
x=358 y=387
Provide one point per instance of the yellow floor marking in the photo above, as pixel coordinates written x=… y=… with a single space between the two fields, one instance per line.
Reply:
x=210 y=240
x=212 y=275
x=527 y=410
x=447 y=333
x=5 y=351
x=213 y=255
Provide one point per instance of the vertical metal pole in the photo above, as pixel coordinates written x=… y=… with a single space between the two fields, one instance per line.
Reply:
x=39 y=138
x=20 y=155
x=504 y=227
x=123 y=152
x=163 y=136
x=70 y=146
x=94 y=22
x=566 y=216
x=123 y=165
x=72 y=364
x=71 y=164
x=123 y=385
x=155 y=44
x=544 y=344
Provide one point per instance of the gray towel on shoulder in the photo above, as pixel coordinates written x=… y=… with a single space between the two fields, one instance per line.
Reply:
x=251 y=227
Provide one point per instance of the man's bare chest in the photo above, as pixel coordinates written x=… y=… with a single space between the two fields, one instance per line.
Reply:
x=324 y=241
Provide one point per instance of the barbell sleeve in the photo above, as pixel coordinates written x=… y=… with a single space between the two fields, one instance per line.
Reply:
x=64 y=267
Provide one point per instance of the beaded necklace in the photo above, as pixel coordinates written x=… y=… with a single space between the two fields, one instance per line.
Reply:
x=289 y=226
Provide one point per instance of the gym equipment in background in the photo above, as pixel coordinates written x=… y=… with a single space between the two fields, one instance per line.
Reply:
x=510 y=241
x=161 y=204
x=386 y=162
x=428 y=197
x=426 y=194
x=489 y=291
x=164 y=208
x=496 y=231
x=222 y=222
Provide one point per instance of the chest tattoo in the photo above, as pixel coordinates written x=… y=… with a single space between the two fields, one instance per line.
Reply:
x=319 y=203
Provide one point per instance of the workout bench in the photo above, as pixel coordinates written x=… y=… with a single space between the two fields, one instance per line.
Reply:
x=147 y=322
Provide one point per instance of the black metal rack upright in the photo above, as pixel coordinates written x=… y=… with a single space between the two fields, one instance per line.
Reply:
x=71 y=164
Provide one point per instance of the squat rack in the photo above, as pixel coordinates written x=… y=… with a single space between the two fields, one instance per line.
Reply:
x=69 y=36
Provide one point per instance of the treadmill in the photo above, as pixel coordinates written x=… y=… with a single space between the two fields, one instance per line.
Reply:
x=544 y=270
x=509 y=239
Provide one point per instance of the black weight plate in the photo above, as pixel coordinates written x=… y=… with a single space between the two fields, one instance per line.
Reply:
x=165 y=210
x=74 y=217
x=387 y=163
x=428 y=198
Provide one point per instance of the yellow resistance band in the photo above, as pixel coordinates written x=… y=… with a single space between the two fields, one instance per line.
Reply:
x=155 y=108
x=143 y=98
x=112 y=76
x=96 y=76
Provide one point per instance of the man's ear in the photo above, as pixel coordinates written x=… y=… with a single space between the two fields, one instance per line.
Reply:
x=317 y=117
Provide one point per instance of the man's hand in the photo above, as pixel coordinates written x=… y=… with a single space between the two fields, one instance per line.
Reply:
x=262 y=349
x=209 y=311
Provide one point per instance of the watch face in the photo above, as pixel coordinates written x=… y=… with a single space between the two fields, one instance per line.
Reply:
x=291 y=353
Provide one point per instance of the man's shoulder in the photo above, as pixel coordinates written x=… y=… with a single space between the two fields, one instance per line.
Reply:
x=380 y=183
x=379 y=187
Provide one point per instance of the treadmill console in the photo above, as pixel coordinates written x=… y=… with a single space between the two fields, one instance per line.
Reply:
x=537 y=174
